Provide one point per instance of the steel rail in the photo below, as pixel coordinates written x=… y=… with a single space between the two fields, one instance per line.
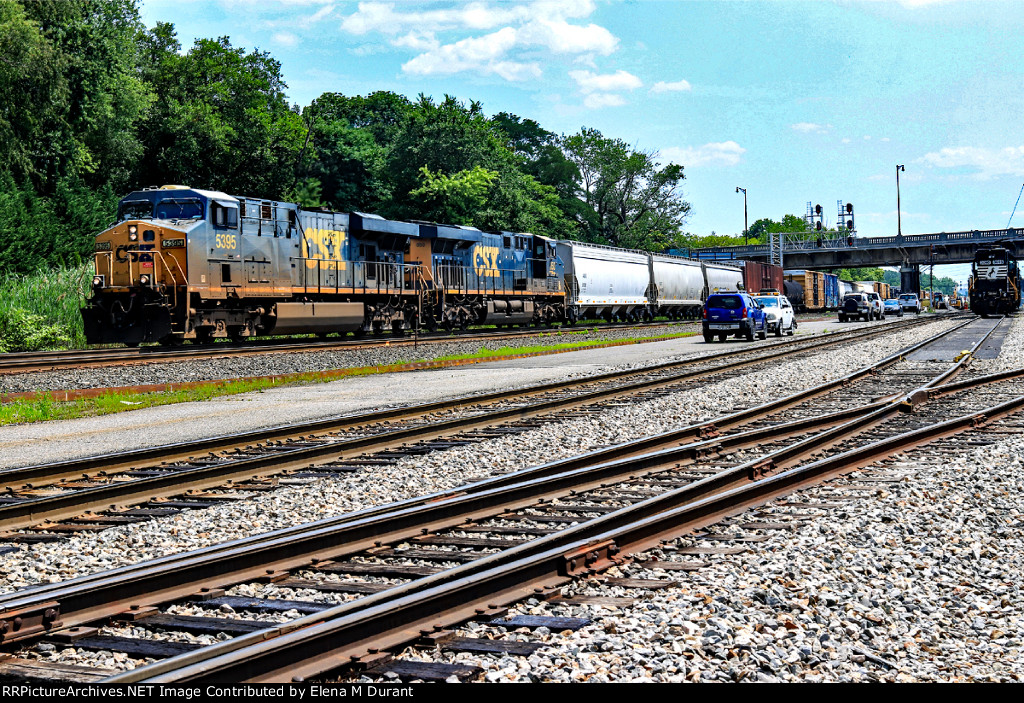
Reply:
x=313 y=645
x=107 y=593
x=25 y=477
x=702 y=430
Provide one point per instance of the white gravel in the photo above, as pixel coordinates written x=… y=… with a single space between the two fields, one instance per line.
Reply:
x=88 y=553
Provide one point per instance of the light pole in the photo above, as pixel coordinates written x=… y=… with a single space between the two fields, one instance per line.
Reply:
x=899 y=228
x=738 y=189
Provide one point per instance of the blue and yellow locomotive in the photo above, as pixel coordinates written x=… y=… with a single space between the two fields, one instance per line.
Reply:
x=183 y=263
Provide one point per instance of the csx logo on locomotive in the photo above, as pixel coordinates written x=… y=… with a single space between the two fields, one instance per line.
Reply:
x=485 y=261
x=325 y=245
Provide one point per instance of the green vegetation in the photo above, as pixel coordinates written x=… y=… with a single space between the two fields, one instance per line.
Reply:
x=93 y=104
x=40 y=311
x=517 y=351
x=45 y=406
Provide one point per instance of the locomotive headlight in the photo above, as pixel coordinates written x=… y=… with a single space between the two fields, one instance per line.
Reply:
x=144 y=279
x=97 y=281
x=133 y=233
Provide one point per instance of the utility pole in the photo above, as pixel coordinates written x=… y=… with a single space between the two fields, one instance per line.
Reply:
x=745 y=227
x=899 y=227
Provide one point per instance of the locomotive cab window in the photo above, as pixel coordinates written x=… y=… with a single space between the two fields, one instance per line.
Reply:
x=224 y=215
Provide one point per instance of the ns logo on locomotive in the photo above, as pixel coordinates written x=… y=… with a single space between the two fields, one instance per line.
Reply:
x=188 y=264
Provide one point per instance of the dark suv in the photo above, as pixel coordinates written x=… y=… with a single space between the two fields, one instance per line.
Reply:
x=736 y=314
x=856 y=305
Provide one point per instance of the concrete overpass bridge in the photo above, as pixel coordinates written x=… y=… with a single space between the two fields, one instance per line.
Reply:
x=909 y=252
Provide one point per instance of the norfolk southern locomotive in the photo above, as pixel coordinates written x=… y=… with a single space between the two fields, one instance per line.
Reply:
x=189 y=264
x=995 y=282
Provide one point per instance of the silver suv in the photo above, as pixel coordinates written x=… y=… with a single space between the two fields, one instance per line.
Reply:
x=877 y=306
x=910 y=302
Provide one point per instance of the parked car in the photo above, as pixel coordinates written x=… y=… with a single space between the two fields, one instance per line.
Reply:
x=910 y=303
x=856 y=305
x=779 y=312
x=737 y=314
x=877 y=309
x=892 y=307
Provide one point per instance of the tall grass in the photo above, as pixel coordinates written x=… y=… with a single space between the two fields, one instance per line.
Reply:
x=41 y=310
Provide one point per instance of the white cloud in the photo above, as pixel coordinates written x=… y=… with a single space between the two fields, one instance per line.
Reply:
x=521 y=29
x=481 y=54
x=605 y=82
x=663 y=87
x=560 y=37
x=418 y=41
x=809 y=127
x=846 y=140
x=712 y=154
x=597 y=100
x=986 y=163
x=285 y=39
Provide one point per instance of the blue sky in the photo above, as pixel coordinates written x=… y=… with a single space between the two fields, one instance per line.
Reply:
x=793 y=101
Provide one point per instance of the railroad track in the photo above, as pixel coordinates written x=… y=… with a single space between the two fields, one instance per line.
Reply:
x=386 y=568
x=28 y=362
x=52 y=501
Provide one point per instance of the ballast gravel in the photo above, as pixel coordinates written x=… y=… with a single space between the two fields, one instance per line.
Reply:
x=269 y=364
x=917 y=581
x=414 y=476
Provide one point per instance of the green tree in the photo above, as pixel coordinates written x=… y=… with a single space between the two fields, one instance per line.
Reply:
x=455 y=198
x=631 y=201
x=222 y=122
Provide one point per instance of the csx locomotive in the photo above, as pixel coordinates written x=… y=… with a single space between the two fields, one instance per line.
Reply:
x=188 y=264
x=995 y=282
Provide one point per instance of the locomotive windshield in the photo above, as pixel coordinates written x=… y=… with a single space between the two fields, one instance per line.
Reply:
x=179 y=209
x=135 y=210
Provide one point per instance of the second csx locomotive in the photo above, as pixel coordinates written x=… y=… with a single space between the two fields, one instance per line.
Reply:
x=189 y=264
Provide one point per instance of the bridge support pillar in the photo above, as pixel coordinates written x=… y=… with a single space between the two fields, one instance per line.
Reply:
x=910 y=279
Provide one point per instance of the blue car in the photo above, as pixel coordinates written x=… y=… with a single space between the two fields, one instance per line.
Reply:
x=735 y=314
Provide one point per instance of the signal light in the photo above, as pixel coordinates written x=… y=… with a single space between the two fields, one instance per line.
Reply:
x=849 y=208
x=849 y=224
x=817 y=226
x=849 y=241
x=819 y=241
x=817 y=209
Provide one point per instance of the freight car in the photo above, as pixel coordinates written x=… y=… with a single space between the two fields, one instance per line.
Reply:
x=758 y=277
x=995 y=284
x=678 y=286
x=812 y=284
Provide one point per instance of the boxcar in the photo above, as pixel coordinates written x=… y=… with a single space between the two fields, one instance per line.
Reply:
x=813 y=283
x=758 y=277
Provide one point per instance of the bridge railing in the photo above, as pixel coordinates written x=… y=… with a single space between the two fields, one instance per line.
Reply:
x=798 y=243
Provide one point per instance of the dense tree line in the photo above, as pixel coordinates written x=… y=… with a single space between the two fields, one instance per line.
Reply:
x=93 y=104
